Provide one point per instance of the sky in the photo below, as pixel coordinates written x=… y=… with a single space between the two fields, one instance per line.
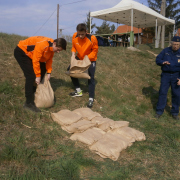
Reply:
x=39 y=17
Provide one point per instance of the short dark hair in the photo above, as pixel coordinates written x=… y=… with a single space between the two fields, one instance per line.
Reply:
x=81 y=27
x=61 y=42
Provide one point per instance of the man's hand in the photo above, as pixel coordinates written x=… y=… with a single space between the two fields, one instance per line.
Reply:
x=178 y=83
x=48 y=76
x=166 y=63
x=38 y=79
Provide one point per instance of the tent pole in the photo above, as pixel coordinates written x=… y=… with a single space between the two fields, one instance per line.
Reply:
x=131 y=34
x=90 y=24
x=116 y=35
x=138 y=36
x=174 y=31
x=156 y=35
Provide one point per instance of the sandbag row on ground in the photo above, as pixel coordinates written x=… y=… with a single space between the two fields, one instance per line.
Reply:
x=103 y=135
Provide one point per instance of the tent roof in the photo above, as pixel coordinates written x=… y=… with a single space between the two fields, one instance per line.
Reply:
x=143 y=16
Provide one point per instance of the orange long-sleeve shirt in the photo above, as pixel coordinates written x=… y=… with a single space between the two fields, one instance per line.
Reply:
x=87 y=46
x=39 y=49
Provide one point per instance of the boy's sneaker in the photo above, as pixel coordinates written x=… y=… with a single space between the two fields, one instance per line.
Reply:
x=90 y=104
x=75 y=93
x=31 y=107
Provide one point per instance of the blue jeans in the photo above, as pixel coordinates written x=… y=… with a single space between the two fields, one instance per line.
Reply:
x=167 y=80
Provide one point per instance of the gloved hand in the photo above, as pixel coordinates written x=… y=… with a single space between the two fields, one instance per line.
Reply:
x=48 y=76
x=38 y=79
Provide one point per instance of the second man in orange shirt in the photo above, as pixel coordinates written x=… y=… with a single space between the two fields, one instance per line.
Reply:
x=85 y=44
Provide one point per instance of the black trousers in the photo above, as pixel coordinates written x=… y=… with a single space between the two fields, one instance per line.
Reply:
x=91 y=82
x=27 y=67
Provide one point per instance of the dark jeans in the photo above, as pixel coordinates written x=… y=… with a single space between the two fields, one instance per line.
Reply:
x=26 y=65
x=167 y=80
x=91 y=82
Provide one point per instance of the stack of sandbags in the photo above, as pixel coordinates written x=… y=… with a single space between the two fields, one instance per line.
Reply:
x=87 y=113
x=89 y=136
x=103 y=135
x=75 y=121
x=114 y=141
x=107 y=124
x=65 y=117
x=110 y=146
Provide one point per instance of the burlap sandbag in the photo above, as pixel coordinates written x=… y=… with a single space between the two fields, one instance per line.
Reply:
x=44 y=95
x=87 y=113
x=79 y=126
x=111 y=124
x=83 y=75
x=131 y=134
x=110 y=146
x=65 y=117
x=100 y=120
x=89 y=136
x=79 y=68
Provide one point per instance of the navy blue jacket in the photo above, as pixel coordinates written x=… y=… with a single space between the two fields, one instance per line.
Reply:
x=168 y=55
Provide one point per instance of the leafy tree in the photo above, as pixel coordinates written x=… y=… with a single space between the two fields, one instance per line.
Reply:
x=172 y=11
x=113 y=28
x=105 y=28
x=87 y=22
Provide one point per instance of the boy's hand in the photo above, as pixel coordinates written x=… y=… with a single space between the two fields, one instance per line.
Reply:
x=48 y=76
x=38 y=79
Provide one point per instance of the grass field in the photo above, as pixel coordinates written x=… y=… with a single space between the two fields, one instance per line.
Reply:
x=33 y=147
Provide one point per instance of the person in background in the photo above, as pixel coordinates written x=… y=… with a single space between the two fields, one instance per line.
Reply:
x=34 y=56
x=110 y=41
x=169 y=60
x=85 y=44
x=113 y=40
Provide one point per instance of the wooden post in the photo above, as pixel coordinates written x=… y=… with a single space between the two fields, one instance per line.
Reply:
x=131 y=33
x=57 y=20
x=163 y=6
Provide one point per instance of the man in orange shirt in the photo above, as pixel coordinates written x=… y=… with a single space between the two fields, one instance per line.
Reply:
x=34 y=56
x=85 y=44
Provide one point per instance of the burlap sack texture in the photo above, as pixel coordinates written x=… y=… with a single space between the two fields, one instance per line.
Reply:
x=44 y=95
x=104 y=136
x=79 y=68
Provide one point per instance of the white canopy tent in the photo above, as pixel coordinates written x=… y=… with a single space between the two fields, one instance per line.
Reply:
x=133 y=14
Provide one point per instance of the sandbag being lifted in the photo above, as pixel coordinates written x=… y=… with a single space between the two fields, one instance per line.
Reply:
x=44 y=95
x=79 y=68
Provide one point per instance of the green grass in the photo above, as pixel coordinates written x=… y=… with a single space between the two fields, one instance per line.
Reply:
x=33 y=146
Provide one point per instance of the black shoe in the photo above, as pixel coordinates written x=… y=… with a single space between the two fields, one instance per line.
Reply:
x=90 y=104
x=175 y=117
x=157 y=116
x=31 y=107
x=75 y=93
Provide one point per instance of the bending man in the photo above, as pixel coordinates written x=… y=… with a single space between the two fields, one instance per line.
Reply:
x=34 y=56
